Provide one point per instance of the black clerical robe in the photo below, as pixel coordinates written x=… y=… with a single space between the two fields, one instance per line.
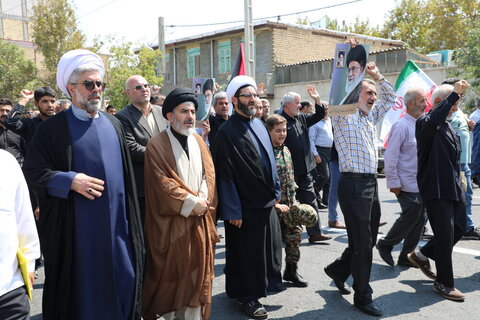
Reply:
x=49 y=153
x=248 y=186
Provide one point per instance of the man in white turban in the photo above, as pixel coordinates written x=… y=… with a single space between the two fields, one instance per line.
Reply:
x=89 y=225
x=248 y=188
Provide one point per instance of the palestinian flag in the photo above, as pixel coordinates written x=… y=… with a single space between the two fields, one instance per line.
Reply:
x=410 y=77
x=239 y=68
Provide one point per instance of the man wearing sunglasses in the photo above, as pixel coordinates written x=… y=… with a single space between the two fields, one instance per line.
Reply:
x=141 y=120
x=90 y=226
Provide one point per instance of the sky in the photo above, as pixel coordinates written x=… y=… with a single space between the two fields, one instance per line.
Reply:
x=137 y=20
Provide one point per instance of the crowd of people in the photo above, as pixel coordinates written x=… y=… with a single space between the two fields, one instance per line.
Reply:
x=127 y=203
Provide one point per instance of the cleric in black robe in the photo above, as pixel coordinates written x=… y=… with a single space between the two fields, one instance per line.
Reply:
x=248 y=187
x=89 y=226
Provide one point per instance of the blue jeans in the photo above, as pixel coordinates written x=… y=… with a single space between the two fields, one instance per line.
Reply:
x=333 y=193
x=468 y=196
x=476 y=150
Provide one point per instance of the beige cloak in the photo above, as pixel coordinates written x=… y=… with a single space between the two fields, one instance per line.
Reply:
x=180 y=255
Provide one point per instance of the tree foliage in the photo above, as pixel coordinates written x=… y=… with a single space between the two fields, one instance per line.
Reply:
x=55 y=32
x=359 y=27
x=430 y=25
x=124 y=61
x=16 y=70
x=468 y=57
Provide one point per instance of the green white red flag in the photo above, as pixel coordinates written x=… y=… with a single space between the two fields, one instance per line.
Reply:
x=411 y=76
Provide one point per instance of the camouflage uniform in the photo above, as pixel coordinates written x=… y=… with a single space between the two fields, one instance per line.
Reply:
x=299 y=214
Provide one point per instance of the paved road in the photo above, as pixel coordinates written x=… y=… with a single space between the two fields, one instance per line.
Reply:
x=402 y=293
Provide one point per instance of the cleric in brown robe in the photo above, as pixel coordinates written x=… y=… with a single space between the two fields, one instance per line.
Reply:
x=180 y=213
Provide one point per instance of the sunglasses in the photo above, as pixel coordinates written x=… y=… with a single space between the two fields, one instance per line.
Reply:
x=90 y=85
x=140 y=86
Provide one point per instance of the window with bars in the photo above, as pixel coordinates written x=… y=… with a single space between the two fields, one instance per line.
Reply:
x=224 y=57
x=193 y=62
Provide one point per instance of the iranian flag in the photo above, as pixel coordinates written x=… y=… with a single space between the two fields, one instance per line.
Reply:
x=410 y=77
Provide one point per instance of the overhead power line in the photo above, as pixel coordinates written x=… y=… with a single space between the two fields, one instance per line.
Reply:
x=264 y=18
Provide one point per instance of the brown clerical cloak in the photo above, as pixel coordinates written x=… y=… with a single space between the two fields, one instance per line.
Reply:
x=180 y=254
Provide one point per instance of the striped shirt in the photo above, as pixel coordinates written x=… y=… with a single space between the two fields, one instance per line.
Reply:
x=355 y=135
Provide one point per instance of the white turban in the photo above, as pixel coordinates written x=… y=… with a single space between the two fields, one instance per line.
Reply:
x=74 y=59
x=234 y=85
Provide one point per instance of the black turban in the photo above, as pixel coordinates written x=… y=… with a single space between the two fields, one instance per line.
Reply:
x=176 y=97
x=357 y=54
x=207 y=85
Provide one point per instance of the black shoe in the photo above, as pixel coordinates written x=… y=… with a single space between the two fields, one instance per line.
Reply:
x=386 y=254
x=476 y=179
x=255 y=309
x=322 y=206
x=473 y=234
x=369 y=308
x=403 y=261
x=341 y=285
x=290 y=274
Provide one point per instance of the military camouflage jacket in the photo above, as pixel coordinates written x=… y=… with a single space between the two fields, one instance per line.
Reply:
x=283 y=159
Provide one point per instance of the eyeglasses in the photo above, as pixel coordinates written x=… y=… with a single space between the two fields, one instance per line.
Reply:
x=140 y=86
x=249 y=95
x=90 y=85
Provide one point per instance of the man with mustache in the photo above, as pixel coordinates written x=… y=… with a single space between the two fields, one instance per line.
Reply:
x=298 y=141
x=44 y=101
x=180 y=217
x=248 y=187
x=90 y=227
x=220 y=105
x=141 y=120
x=355 y=140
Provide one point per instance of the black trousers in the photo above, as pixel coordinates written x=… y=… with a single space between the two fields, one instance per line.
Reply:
x=14 y=305
x=306 y=195
x=358 y=198
x=323 y=173
x=449 y=221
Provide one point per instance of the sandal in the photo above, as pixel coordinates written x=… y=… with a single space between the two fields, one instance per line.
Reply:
x=255 y=310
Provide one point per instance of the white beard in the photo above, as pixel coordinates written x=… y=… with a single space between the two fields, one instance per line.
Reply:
x=350 y=85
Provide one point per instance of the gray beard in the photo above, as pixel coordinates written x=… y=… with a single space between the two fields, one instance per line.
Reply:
x=244 y=108
x=92 y=107
x=178 y=127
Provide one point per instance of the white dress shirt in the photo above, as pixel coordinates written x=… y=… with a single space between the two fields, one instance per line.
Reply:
x=17 y=225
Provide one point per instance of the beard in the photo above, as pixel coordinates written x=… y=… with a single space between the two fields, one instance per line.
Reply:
x=91 y=106
x=177 y=126
x=244 y=108
x=351 y=84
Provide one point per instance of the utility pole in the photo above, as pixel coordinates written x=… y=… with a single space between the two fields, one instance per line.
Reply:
x=249 y=40
x=161 y=46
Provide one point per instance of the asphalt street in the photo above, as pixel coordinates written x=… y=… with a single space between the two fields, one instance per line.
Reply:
x=402 y=293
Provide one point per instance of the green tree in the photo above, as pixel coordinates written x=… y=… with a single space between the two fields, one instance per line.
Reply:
x=358 y=27
x=430 y=25
x=333 y=24
x=409 y=22
x=15 y=69
x=303 y=21
x=468 y=57
x=55 y=32
x=124 y=61
x=364 y=27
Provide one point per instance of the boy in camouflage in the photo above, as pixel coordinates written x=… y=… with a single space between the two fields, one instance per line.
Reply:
x=291 y=213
